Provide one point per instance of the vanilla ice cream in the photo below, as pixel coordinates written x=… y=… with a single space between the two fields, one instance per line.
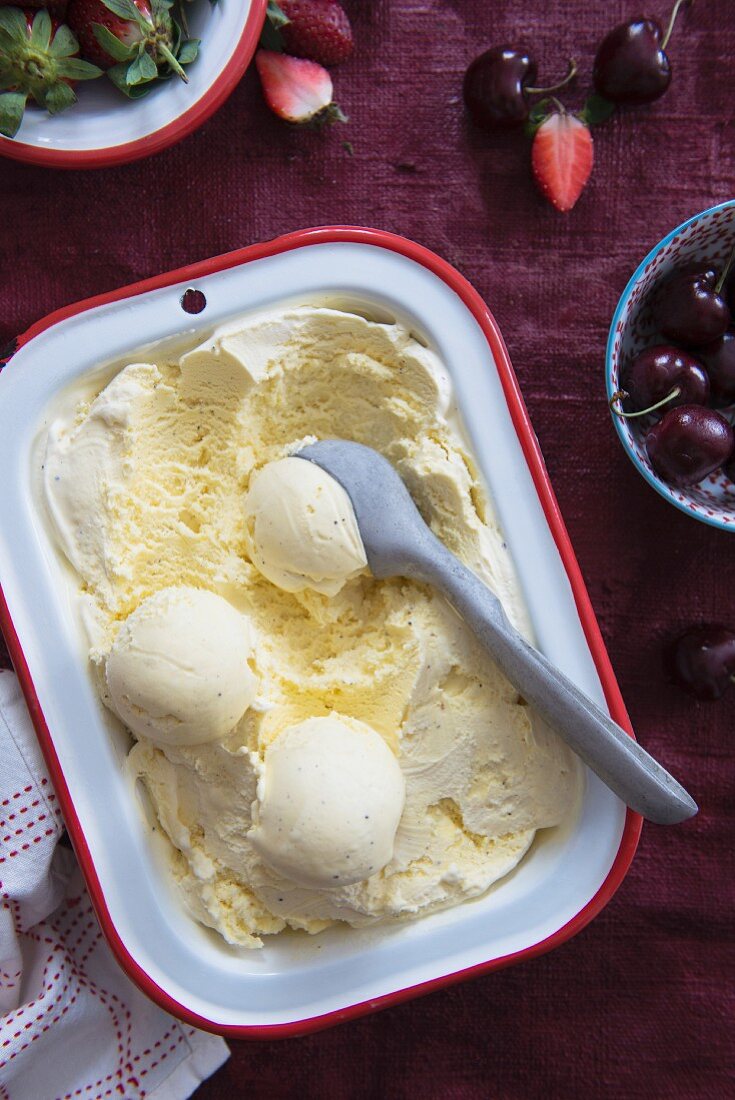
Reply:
x=329 y=801
x=148 y=485
x=300 y=528
x=178 y=670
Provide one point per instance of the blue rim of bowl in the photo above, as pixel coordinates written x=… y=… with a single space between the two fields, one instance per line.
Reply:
x=649 y=476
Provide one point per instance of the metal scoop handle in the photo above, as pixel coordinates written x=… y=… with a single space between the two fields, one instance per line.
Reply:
x=622 y=764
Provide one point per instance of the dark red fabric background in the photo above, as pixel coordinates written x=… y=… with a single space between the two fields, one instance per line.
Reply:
x=641 y=1003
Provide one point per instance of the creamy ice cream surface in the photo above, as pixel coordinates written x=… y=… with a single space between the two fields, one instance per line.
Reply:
x=177 y=478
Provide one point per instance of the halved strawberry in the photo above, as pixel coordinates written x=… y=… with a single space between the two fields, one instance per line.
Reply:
x=297 y=90
x=137 y=41
x=38 y=59
x=316 y=29
x=562 y=155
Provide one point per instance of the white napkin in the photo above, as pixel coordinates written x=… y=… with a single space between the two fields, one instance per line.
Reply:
x=72 y=1023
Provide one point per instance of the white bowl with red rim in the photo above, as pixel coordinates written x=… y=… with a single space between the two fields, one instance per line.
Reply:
x=708 y=237
x=296 y=983
x=104 y=128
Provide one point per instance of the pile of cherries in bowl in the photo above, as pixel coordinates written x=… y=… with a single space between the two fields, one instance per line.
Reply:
x=687 y=380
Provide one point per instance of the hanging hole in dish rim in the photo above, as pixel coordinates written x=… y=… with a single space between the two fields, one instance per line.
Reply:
x=193 y=301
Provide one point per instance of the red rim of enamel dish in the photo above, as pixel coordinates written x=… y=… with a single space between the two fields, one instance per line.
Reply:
x=532 y=453
x=174 y=131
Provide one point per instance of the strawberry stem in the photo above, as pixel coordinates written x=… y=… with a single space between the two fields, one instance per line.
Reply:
x=561 y=84
x=620 y=395
x=672 y=20
x=173 y=62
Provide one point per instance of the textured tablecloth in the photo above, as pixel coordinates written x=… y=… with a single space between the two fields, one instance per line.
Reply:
x=641 y=1003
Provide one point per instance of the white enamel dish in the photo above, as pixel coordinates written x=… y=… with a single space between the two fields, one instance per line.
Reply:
x=296 y=983
x=105 y=128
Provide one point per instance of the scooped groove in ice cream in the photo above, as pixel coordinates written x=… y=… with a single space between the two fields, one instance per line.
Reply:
x=330 y=797
x=300 y=528
x=178 y=669
x=145 y=483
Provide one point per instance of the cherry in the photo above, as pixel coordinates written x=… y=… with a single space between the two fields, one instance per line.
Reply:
x=663 y=375
x=729 y=469
x=497 y=85
x=719 y=359
x=702 y=661
x=731 y=293
x=631 y=65
x=688 y=443
x=689 y=308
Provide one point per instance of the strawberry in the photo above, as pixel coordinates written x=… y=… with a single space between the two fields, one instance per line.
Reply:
x=38 y=59
x=297 y=90
x=137 y=41
x=561 y=158
x=317 y=29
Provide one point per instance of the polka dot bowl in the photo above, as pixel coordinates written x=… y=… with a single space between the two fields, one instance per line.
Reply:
x=708 y=236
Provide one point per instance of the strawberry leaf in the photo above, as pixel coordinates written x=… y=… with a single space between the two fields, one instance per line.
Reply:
x=126 y=9
x=41 y=31
x=142 y=69
x=275 y=15
x=188 y=51
x=326 y=117
x=596 y=109
x=13 y=22
x=118 y=75
x=12 y=106
x=58 y=97
x=74 y=68
x=111 y=44
x=538 y=114
x=64 y=43
x=270 y=38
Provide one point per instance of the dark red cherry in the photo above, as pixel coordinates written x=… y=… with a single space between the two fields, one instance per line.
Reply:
x=690 y=310
x=703 y=661
x=698 y=267
x=719 y=359
x=729 y=468
x=497 y=86
x=659 y=372
x=688 y=443
x=631 y=65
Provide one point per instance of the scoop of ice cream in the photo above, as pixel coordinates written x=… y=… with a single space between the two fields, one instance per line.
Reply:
x=178 y=669
x=301 y=528
x=330 y=797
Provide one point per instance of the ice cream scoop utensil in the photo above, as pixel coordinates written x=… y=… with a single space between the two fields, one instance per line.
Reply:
x=399 y=543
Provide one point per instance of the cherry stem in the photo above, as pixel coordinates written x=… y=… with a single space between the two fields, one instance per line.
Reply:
x=620 y=395
x=558 y=104
x=672 y=20
x=555 y=87
x=721 y=281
